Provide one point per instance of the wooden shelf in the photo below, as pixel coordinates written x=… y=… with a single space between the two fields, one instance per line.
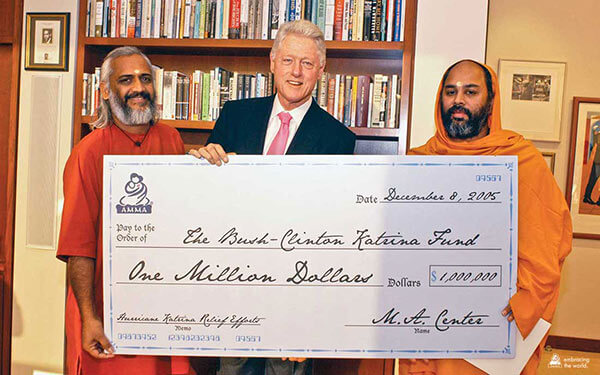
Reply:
x=177 y=124
x=6 y=39
x=243 y=47
x=376 y=132
x=209 y=125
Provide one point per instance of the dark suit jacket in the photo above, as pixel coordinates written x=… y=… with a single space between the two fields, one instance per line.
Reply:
x=242 y=126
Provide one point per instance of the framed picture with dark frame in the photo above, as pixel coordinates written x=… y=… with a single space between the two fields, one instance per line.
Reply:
x=47 y=41
x=583 y=178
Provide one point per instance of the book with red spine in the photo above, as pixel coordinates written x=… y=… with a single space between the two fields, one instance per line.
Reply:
x=338 y=21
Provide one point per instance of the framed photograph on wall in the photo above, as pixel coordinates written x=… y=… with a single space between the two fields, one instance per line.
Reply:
x=532 y=96
x=47 y=41
x=550 y=159
x=583 y=182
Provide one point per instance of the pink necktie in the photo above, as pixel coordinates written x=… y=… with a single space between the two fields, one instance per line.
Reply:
x=278 y=145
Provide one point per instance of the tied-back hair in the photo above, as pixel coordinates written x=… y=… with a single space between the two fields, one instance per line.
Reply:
x=301 y=28
x=105 y=116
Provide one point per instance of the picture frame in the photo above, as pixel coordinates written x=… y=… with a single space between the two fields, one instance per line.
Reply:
x=583 y=189
x=531 y=93
x=550 y=159
x=47 y=41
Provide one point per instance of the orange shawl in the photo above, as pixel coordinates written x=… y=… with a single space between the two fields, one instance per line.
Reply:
x=545 y=231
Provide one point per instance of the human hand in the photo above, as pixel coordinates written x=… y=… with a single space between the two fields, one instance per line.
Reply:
x=293 y=359
x=507 y=312
x=94 y=341
x=213 y=153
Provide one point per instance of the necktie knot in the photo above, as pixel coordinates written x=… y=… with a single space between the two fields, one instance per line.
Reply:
x=285 y=118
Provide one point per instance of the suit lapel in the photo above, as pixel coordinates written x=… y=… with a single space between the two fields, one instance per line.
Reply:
x=307 y=135
x=258 y=120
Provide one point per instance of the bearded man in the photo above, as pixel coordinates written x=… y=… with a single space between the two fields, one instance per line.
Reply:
x=467 y=119
x=127 y=125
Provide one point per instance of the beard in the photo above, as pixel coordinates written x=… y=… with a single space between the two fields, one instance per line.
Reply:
x=128 y=115
x=469 y=128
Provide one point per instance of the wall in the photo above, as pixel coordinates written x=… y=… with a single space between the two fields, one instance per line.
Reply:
x=45 y=118
x=559 y=31
x=447 y=31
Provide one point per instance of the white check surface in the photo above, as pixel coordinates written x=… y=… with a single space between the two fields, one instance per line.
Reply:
x=310 y=256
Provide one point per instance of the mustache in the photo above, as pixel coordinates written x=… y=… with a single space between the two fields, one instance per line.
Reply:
x=141 y=94
x=457 y=107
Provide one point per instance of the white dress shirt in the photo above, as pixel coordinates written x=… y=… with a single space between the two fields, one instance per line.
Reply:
x=275 y=123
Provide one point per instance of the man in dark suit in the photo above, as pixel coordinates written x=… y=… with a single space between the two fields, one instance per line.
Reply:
x=289 y=122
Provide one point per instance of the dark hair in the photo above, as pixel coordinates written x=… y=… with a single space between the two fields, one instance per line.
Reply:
x=487 y=74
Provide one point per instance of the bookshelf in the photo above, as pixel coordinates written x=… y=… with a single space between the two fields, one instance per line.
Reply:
x=251 y=56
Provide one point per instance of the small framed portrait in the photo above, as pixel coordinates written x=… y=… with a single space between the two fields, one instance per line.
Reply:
x=47 y=41
x=583 y=178
x=532 y=97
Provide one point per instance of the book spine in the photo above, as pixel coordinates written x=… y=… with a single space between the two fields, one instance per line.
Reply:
x=187 y=13
x=331 y=96
x=226 y=15
x=377 y=84
x=336 y=103
x=342 y=98
x=192 y=19
x=390 y=21
x=114 y=22
x=362 y=105
x=329 y=19
x=338 y=20
x=347 y=100
x=206 y=97
x=378 y=10
x=266 y=19
x=353 y=105
x=367 y=20
x=106 y=19
x=234 y=19
x=147 y=19
x=397 y=20
x=251 y=18
x=321 y=8
x=384 y=102
x=158 y=85
x=138 y=19
x=274 y=19
x=84 y=100
x=98 y=14
x=346 y=20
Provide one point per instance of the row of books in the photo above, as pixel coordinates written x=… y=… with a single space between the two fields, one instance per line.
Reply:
x=355 y=20
x=360 y=101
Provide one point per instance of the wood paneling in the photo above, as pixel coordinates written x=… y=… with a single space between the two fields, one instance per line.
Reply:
x=10 y=51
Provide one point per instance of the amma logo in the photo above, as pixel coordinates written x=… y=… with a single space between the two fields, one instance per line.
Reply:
x=555 y=361
x=135 y=200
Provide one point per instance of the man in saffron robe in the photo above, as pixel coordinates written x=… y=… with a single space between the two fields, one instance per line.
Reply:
x=467 y=119
x=126 y=125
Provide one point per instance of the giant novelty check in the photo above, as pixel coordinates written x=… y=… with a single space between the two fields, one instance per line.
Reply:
x=310 y=256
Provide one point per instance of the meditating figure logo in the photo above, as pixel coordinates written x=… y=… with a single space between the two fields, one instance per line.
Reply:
x=135 y=200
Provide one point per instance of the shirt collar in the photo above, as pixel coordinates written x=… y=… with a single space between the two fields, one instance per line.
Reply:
x=297 y=113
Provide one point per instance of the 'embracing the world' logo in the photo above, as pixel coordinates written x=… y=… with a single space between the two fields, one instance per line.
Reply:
x=135 y=200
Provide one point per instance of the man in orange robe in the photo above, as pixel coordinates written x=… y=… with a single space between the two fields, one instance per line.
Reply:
x=126 y=126
x=467 y=119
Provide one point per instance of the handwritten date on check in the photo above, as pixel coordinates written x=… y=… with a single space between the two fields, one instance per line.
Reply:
x=306 y=256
